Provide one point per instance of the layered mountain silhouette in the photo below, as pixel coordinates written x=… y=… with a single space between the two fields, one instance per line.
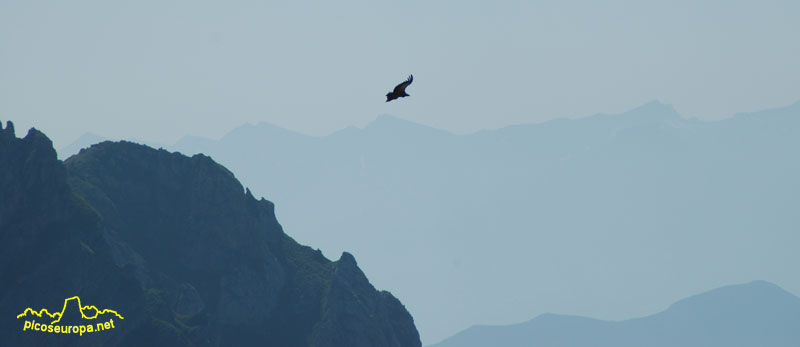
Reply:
x=84 y=141
x=753 y=314
x=503 y=224
x=178 y=247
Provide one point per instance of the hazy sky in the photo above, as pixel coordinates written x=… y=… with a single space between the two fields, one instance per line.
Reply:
x=159 y=70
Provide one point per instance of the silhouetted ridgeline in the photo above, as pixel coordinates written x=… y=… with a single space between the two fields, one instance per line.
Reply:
x=518 y=221
x=753 y=314
x=177 y=247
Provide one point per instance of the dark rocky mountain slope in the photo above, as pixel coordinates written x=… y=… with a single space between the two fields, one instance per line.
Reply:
x=178 y=247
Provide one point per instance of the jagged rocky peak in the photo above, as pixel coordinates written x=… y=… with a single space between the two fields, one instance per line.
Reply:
x=193 y=257
x=9 y=129
x=32 y=172
x=33 y=137
x=347 y=259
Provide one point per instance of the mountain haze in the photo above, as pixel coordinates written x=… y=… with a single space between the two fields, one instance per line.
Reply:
x=499 y=225
x=753 y=314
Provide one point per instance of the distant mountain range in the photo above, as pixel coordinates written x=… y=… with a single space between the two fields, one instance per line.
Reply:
x=609 y=216
x=746 y=315
x=178 y=247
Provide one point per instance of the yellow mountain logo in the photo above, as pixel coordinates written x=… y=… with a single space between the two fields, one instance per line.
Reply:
x=87 y=313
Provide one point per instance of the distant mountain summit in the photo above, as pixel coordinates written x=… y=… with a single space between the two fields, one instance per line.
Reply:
x=645 y=193
x=567 y=202
x=178 y=247
x=84 y=141
x=754 y=314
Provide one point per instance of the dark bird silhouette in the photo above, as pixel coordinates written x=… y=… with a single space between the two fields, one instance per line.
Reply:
x=400 y=90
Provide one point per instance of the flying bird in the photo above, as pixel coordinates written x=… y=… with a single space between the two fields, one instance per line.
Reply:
x=400 y=90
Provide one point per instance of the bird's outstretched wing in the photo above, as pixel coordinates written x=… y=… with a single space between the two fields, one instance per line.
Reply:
x=401 y=88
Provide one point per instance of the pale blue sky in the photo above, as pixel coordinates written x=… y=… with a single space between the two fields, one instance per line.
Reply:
x=159 y=70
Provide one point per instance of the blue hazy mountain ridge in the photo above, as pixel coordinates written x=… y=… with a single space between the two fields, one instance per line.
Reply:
x=609 y=216
x=84 y=141
x=754 y=314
